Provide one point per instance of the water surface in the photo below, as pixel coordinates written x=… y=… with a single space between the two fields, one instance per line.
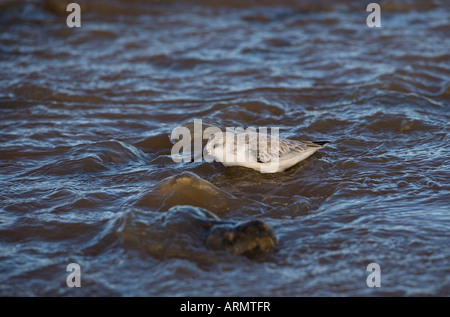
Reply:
x=85 y=118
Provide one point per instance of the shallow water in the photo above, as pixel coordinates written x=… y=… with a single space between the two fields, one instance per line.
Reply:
x=86 y=115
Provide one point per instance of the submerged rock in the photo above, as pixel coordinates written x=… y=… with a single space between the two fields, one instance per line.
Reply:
x=189 y=189
x=248 y=237
x=190 y=221
x=188 y=232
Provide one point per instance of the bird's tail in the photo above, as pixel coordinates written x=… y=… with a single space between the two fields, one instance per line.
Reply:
x=321 y=143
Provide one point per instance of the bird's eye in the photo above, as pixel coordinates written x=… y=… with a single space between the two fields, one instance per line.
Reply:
x=215 y=145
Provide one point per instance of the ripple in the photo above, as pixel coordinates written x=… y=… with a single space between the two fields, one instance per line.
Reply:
x=92 y=158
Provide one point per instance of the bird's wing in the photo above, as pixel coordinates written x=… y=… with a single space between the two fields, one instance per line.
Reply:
x=264 y=148
x=275 y=148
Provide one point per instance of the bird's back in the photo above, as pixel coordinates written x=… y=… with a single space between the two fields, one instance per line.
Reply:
x=257 y=151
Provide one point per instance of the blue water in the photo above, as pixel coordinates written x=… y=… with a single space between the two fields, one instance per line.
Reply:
x=86 y=115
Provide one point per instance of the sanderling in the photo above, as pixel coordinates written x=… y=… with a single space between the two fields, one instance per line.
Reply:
x=259 y=151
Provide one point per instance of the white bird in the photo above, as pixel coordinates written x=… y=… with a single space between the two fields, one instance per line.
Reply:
x=259 y=151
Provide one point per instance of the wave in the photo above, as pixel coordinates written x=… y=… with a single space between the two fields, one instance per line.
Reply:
x=92 y=158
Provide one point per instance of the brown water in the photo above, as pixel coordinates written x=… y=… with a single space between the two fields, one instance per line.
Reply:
x=86 y=171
